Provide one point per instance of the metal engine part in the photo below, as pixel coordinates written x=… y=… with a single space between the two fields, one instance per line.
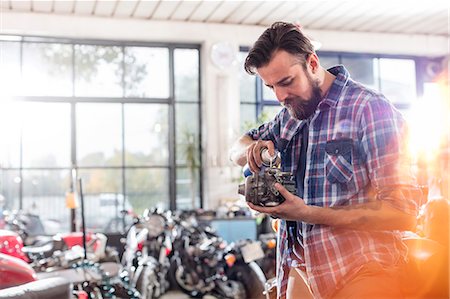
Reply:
x=259 y=188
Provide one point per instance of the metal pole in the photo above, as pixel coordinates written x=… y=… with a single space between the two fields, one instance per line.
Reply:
x=83 y=226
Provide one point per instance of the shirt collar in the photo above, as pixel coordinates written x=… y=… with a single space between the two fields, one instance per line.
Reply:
x=292 y=125
x=333 y=95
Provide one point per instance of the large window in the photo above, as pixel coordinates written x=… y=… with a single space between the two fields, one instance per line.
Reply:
x=395 y=77
x=125 y=118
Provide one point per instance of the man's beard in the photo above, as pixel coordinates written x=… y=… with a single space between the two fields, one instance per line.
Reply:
x=301 y=108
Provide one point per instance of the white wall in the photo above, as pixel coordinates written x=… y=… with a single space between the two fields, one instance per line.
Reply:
x=220 y=87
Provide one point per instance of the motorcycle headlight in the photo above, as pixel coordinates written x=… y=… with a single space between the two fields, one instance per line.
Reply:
x=155 y=224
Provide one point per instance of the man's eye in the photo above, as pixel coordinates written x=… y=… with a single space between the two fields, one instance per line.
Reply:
x=286 y=83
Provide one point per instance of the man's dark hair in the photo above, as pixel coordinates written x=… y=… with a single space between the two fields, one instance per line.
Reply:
x=280 y=36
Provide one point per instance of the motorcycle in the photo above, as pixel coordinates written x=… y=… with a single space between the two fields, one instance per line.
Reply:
x=146 y=254
x=29 y=226
x=268 y=262
x=18 y=279
x=243 y=267
x=11 y=244
x=97 y=281
x=427 y=271
x=14 y=271
x=199 y=262
x=19 y=266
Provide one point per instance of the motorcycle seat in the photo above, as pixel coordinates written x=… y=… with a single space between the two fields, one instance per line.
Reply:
x=75 y=276
x=426 y=273
x=51 y=288
x=78 y=275
x=45 y=250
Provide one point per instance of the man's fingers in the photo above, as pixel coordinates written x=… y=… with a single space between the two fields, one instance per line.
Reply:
x=284 y=192
x=270 y=148
x=265 y=210
x=253 y=167
x=251 y=159
x=257 y=153
x=254 y=158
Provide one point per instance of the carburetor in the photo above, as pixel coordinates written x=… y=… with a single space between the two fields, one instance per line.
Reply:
x=259 y=187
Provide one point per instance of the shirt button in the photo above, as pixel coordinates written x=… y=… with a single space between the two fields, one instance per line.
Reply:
x=336 y=151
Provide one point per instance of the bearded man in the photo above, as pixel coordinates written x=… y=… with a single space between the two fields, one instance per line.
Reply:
x=345 y=144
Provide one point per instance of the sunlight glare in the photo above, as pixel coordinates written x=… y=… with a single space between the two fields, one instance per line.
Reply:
x=429 y=124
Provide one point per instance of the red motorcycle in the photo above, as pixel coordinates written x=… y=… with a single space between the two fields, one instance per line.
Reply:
x=14 y=271
x=17 y=278
x=12 y=244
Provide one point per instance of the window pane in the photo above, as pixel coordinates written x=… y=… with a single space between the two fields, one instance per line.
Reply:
x=146 y=135
x=247 y=83
x=46 y=134
x=147 y=188
x=101 y=180
x=10 y=127
x=47 y=69
x=98 y=71
x=10 y=68
x=188 y=188
x=146 y=72
x=398 y=80
x=187 y=134
x=44 y=195
x=248 y=116
x=99 y=134
x=9 y=189
x=186 y=74
x=100 y=189
x=363 y=70
x=328 y=61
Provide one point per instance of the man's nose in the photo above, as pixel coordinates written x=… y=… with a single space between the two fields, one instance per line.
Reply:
x=281 y=94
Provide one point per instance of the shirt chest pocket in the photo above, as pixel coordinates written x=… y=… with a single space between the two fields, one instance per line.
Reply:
x=338 y=160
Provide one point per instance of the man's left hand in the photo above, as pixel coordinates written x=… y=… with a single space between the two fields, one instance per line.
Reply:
x=293 y=208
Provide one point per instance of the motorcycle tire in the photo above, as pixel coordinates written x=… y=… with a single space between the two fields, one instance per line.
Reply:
x=147 y=283
x=243 y=273
x=230 y=289
x=178 y=280
x=173 y=284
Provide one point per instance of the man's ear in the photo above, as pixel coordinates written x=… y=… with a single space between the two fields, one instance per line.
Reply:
x=313 y=62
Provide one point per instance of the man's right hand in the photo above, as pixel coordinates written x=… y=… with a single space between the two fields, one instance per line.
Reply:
x=254 y=154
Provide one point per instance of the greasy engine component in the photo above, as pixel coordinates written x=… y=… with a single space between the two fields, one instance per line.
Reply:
x=259 y=188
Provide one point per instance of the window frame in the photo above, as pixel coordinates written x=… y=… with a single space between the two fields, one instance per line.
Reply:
x=73 y=100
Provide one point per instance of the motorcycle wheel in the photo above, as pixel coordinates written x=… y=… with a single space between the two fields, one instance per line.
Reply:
x=184 y=281
x=147 y=283
x=173 y=284
x=230 y=289
x=254 y=287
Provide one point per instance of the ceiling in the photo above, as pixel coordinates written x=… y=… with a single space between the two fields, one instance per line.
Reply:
x=395 y=16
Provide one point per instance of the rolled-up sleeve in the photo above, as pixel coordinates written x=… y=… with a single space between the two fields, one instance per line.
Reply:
x=389 y=165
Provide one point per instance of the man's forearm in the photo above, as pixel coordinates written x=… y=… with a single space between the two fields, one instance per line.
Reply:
x=376 y=215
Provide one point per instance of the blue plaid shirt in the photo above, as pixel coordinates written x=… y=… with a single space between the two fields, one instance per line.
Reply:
x=356 y=154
